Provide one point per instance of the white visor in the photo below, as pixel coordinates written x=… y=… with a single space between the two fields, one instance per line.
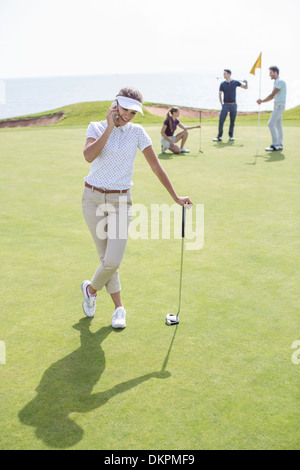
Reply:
x=129 y=103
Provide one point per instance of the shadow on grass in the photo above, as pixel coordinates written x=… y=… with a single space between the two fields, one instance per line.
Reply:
x=166 y=156
x=66 y=387
x=164 y=366
x=170 y=156
x=255 y=157
x=222 y=145
x=277 y=156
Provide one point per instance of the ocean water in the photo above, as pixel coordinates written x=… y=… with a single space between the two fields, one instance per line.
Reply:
x=200 y=90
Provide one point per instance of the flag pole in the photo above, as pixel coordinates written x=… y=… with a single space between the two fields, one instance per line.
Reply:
x=258 y=130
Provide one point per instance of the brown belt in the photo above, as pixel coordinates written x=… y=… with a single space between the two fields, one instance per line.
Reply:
x=106 y=191
x=229 y=103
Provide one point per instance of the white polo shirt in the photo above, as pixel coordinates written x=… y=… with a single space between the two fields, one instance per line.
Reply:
x=280 y=97
x=113 y=168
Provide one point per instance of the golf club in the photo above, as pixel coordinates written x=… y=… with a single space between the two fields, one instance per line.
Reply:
x=200 y=133
x=172 y=319
x=222 y=78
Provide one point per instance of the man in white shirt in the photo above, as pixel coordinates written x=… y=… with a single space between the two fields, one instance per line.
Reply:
x=275 y=122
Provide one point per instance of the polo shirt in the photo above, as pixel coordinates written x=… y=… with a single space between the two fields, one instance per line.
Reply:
x=113 y=168
x=280 y=97
x=170 y=130
x=229 y=90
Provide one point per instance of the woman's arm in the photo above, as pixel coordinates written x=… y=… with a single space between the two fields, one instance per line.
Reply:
x=188 y=128
x=93 y=147
x=163 y=133
x=156 y=167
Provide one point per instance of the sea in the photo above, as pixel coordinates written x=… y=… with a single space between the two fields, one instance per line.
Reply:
x=21 y=96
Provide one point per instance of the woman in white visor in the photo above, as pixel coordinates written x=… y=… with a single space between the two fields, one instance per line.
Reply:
x=110 y=148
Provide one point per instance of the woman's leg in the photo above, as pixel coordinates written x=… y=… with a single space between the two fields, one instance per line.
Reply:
x=91 y=200
x=165 y=144
x=183 y=137
x=116 y=298
x=102 y=217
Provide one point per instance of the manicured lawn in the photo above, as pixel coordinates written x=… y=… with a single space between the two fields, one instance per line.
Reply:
x=224 y=378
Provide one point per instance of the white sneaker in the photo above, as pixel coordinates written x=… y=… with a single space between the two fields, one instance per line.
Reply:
x=89 y=300
x=270 y=149
x=184 y=150
x=119 y=318
x=232 y=139
x=217 y=139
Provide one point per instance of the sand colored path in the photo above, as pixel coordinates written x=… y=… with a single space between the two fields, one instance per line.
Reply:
x=34 y=121
x=161 y=110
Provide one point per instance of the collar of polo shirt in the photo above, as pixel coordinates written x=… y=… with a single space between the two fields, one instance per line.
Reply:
x=130 y=103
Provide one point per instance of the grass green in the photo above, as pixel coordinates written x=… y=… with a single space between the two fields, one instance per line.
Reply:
x=81 y=114
x=229 y=383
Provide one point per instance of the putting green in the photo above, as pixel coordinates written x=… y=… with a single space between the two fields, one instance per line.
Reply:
x=224 y=378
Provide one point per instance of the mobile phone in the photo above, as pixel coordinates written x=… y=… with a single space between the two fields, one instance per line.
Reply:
x=115 y=104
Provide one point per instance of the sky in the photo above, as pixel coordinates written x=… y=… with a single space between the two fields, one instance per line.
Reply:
x=43 y=38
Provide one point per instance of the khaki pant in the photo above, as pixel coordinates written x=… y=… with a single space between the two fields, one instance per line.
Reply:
x=108 y=217
x=275 y=124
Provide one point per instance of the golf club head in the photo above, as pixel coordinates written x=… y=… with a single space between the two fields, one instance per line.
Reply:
x=172 y=319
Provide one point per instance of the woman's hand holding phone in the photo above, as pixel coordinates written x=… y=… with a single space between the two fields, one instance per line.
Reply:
x=112 y=114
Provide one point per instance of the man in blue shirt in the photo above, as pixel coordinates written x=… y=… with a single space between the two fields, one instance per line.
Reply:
x=275 y=123
x=227 y=97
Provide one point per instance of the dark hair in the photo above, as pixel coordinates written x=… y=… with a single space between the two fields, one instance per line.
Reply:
x=274 y=69
x=170 y=113
x=228 y=71
x=133 y=93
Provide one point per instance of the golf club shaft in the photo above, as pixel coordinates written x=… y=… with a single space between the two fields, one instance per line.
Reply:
x=200 y=131
x=181 y=264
